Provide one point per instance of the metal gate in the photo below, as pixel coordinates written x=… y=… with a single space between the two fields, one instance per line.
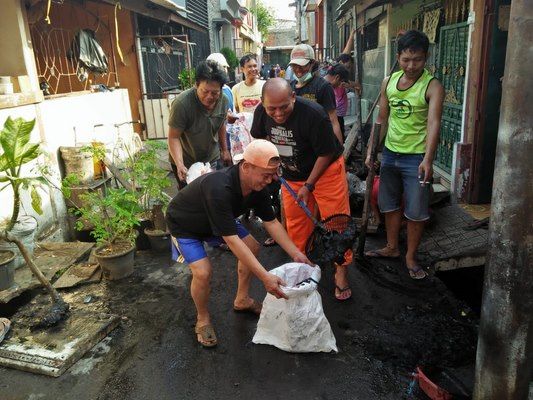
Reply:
x=451 y=71
x=163 y=57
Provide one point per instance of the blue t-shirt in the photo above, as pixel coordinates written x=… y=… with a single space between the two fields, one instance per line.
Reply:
x=227 y=92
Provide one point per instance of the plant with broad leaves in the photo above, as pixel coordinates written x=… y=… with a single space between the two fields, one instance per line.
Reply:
x=17 y=152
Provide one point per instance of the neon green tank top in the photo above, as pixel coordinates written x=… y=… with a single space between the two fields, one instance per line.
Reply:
x=408 y=115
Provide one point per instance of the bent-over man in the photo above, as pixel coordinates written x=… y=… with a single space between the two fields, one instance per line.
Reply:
x=205 y=211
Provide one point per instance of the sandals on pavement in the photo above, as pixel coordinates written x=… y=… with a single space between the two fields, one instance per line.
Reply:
x=417 y=272
x=206 y=335
x=254 y=308
x=379 y=253
x=5 y=324
x=342 y=294
x=269 y=242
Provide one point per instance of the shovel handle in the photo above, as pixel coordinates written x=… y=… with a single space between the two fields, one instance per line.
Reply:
x=299 y=201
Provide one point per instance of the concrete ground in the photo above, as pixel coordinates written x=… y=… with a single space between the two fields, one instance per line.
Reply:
x=391 y=325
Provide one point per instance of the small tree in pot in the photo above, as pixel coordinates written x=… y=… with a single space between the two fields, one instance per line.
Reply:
x=113 y=216
x=17 y=152
x=150 y=180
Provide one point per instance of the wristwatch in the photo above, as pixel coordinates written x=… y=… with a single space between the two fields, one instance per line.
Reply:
x=309 y=186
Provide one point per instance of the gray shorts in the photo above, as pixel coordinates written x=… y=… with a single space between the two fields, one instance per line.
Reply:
x=399 y=181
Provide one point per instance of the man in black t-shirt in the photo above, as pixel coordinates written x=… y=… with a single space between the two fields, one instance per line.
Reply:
x=312 y=86
x=312 y=162
x=206 y=211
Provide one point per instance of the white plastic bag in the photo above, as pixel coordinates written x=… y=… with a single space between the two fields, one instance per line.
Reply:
x=239 y=133
x=298 y=324
x=196 y=170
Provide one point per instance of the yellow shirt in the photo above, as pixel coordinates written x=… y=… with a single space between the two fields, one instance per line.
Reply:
x=247 y=98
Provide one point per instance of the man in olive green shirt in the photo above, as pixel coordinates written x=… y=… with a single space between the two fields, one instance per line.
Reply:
x=197 y=132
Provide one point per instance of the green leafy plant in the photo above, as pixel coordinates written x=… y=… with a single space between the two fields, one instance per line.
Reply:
x=230 y=56
x=265 y=19
x=186 y=78
x=17 y=152
x=148 y=177
x=113 y=216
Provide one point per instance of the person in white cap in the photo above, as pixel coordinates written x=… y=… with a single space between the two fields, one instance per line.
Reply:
x=206 y=211
x=226 y=90
x=312 y=86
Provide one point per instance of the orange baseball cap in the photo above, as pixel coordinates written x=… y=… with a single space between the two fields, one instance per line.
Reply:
x=260 y=153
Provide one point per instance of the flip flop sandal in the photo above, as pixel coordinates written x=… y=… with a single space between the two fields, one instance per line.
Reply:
x=206 y=335
x=5 y=324
x=269 y=242
x=254 y=308
x=413 y=273
x=342 y=290
x=378 y=254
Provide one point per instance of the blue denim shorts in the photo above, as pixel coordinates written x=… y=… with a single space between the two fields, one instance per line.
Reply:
x=399 y=180
x=191 y=250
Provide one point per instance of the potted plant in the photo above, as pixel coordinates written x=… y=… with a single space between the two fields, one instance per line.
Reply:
x=7 y=269
x=17 y=234
x=16 y=153
x=113 y=216
x=150 y=180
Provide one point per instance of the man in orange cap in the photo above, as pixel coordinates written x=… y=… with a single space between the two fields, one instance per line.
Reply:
x=206 y=210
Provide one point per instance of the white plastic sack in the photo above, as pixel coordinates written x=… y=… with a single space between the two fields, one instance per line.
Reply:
x=298 y=324
x=196 y=170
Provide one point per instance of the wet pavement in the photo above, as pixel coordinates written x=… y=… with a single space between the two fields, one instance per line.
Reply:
x=391 y=325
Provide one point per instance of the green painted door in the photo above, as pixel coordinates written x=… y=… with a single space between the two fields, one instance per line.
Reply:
x=451 y=71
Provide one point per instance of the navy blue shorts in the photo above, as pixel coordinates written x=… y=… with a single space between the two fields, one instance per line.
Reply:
x=191 y=250
x=399 y=177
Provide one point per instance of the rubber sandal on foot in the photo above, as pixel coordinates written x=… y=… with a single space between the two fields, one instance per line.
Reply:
x=254 y=308
x=206 y=335
x=414 y=273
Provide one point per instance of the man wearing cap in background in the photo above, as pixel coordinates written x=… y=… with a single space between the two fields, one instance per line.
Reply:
x=197 y=132
x=206 y=211
x=226 y=90
x=311 y=86
x=312 y=163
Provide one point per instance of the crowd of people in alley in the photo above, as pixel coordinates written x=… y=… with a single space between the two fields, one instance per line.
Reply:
x=298 y=130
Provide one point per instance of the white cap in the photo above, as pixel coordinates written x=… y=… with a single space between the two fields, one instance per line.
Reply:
x=218 y=58
x=302 y=54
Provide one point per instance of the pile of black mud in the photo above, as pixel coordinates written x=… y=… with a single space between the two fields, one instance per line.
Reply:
x=331 y=239
x=408 y=324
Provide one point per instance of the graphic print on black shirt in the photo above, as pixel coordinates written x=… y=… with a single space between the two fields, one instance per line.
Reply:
x=284 y=140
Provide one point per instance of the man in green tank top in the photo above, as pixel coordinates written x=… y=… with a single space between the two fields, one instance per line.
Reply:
x=410 y=111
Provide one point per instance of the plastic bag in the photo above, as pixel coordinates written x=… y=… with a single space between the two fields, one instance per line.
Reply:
x=298 y=324
x=86 y=49
x=239 y=133
x=196 y=170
